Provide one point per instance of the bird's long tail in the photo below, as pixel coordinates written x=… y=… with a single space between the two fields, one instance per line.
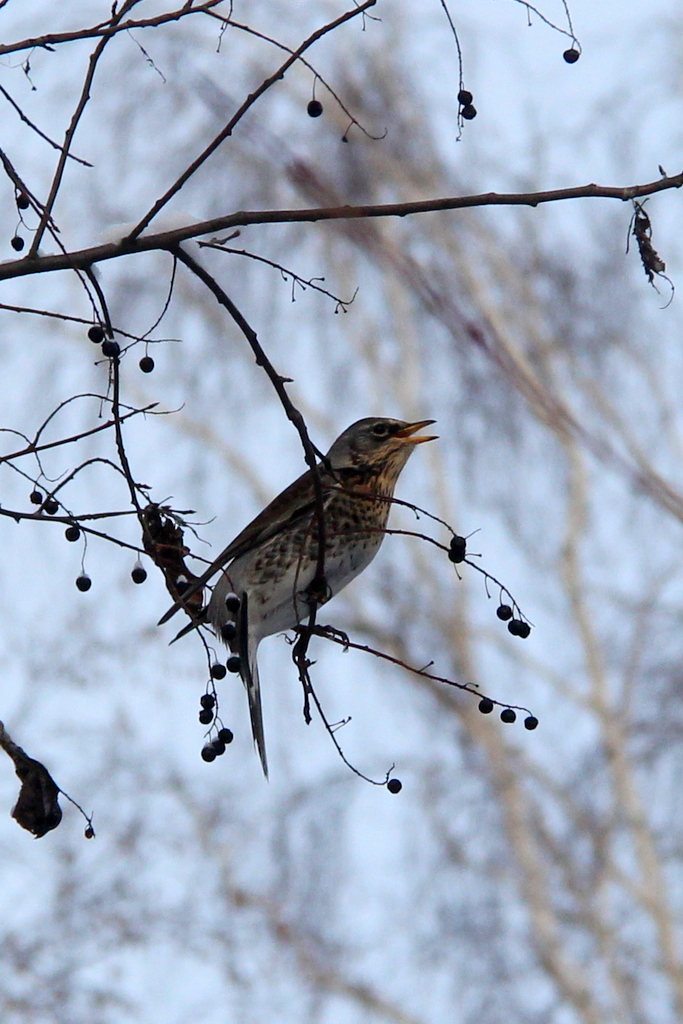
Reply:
x=247 y=646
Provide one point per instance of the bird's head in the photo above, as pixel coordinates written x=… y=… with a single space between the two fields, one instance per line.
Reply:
x=378 y=441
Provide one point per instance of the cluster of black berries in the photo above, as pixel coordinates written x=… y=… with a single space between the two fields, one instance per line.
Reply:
x=83 y=582
x=214 y=749
x=208 y=703
x=518 y=627
x=110 y=348
x=467 y=108
x=457 y=549
x=507 y=714
x=457 y=552
x=73 y=533
x=23 y=203
x=50 y=504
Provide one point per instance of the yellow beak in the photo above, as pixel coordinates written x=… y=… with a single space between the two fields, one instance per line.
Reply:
x=406 y=434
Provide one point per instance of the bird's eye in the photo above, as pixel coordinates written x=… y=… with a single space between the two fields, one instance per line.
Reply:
x=380 y=429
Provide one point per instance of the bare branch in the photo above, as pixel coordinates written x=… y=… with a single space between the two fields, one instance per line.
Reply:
x=106 y=28
x=303 y=282
x=36 y=129
x=318 y=586
x=167 y=240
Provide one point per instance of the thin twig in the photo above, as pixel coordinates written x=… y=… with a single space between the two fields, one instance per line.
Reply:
x=71 y=130
x=331 y=731
x=239 y=114
x=285 y=271
x=36 y=129
x=105 y=28
x=530 y=9
x=343 y=641
x=229 y=23
x=33 y=448
x=167 y=303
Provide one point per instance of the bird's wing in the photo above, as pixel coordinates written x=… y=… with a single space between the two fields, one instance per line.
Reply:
x=295 y=502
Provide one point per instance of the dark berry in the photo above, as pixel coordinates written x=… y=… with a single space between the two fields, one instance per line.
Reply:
x=22 y=201
x=523 y=630
x=139 y=574
x=508 y=715
x=232 y=602
x=571 y=56
x=394 y=785
x=72 y=533
x=218 y=746
x=218 y=671
x=51 y=507
x=504 y=612
x=89 y=832
x=207 y=700
x=96 y=334
x=206 y=716
x=464 y=97
x=111 y=348
x=208 y=753
x=314 y=108
x=469 y=112
x=17 y=243
x=530 y=722
x=233 y=663
x=228 y=631
x=84 y=582
x=457 y=549
x=146 y=364
x=485 y=706
x=181 y=584
x=513 y=626
x=36 y=498
x=225 y=735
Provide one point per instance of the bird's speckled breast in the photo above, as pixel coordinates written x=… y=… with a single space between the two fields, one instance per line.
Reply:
x=279 y=570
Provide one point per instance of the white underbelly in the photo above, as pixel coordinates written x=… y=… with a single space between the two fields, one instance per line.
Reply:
x=281 y=604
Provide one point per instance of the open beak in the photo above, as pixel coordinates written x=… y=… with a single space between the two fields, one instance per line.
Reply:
x=407 y=433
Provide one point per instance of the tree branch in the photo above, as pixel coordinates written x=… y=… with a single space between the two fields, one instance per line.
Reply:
x=168 y=240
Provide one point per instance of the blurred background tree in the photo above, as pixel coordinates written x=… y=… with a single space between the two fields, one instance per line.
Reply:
x=518 y=877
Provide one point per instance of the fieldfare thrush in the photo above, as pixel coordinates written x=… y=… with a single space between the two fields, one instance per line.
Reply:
x=269 y=567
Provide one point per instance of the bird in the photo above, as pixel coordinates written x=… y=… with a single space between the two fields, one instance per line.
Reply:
x=267 y=570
